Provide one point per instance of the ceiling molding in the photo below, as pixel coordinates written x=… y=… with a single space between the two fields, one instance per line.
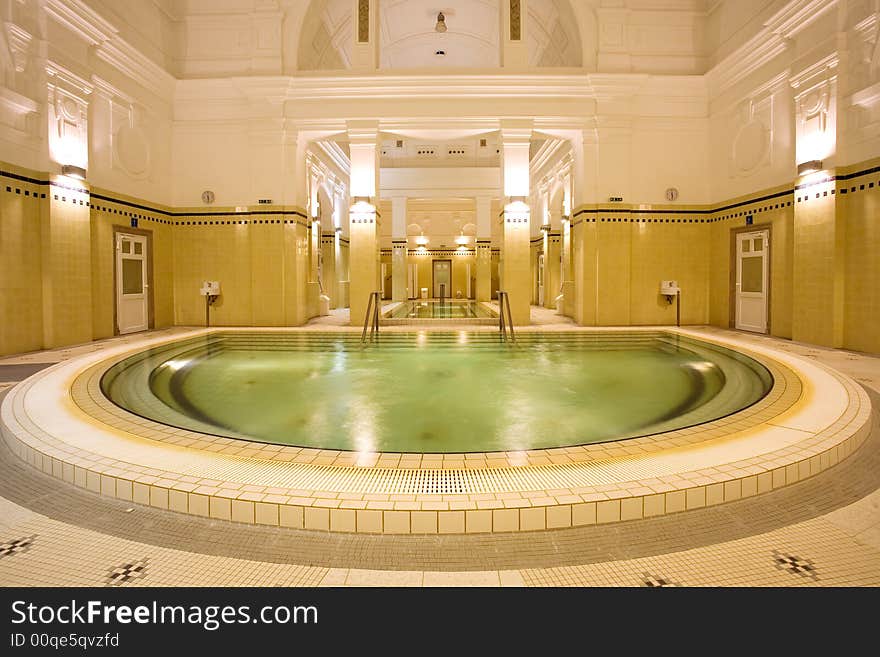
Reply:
x=336 y=155
x=765 y=46
x=138 y=68
x=77 y=17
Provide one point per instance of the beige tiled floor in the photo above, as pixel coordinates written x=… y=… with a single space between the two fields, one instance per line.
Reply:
x=837 y=548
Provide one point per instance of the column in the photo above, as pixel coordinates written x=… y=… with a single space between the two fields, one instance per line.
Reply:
x=515 y=249
x=579 y=267
x=514 y=49
x=483 y=249
x=313 y=288
x=399 y=290
x=65 y=221
x=363 y=217
x=553 y=255
x=295 y=266
x=819 y=221
x=365 y=50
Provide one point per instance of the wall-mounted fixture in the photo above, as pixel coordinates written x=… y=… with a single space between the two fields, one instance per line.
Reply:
x=615 y=199
x=265 y=201
x=811 y=166
x=338 y=229
x=462 y=240
x=545 y=228
x=671 y=291
x=441 y=23
x=440 y=53
x=421 y=240
x=207 y=197
x=73 y=171
x=211 y=291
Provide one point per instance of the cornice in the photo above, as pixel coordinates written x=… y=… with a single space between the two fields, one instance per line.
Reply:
x=336 y=155
x=77 y=17
x=770 y=42
x=141 y=70
x=797 y=15
x=817 y=70
x=70 y=80
x=109 y=47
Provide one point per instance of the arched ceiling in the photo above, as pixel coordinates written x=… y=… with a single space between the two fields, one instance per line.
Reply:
x=408 y=39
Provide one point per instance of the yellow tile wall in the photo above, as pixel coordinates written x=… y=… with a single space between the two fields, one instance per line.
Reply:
x=861 y=213
x=56 y=264
x=426 y=271
x=618 y=265
x=21 y=308
x=262 y=269
x=816 y=230
x=66 y=266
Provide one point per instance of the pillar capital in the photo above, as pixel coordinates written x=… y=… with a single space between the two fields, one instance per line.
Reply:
x=516 y=131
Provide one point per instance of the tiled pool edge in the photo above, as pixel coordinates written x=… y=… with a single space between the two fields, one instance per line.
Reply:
x=817 y=452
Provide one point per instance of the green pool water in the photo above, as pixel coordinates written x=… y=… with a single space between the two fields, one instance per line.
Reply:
x=438 y=310
x=436 y=391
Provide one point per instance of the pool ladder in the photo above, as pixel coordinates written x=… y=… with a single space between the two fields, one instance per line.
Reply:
x=504 y=305
x=371 y=317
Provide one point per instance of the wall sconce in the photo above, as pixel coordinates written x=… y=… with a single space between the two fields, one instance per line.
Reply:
x=517 y=210
x=362 y=211
x=421 y=240
x=461 y=240
x=73 y=171
x=810 y=166
x=441 y=23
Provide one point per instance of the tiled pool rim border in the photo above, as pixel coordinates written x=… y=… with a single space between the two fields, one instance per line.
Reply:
x=820 y=444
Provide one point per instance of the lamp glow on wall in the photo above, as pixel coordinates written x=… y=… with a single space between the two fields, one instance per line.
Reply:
x=71 y=153
x=816 y=128
x=516 y=211
x=363 y=212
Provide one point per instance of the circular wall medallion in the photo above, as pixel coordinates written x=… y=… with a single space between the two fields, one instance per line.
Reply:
x=750 y=146
x=671 y=194
x=132 y=150
x=207 y=197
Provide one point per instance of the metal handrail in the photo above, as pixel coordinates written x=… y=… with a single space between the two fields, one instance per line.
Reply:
x=504 y=303
x=372 y=313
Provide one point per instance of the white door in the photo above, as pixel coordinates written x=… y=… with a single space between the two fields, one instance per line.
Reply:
x=752 y=280
x=131 y=283
x=540 y=279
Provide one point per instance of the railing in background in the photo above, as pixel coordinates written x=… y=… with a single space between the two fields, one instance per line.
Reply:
x=504 y=306
x=372 y=314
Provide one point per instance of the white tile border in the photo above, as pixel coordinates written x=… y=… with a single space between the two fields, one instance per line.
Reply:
x=42 y=425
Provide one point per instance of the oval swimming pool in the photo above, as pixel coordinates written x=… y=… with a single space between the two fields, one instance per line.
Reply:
x=436 y=392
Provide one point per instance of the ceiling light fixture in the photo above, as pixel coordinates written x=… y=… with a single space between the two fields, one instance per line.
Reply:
x=441 y=23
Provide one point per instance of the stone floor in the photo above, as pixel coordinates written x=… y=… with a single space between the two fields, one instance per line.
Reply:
x=824 y=531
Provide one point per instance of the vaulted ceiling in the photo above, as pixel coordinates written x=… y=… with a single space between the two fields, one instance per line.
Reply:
x=408 y=38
